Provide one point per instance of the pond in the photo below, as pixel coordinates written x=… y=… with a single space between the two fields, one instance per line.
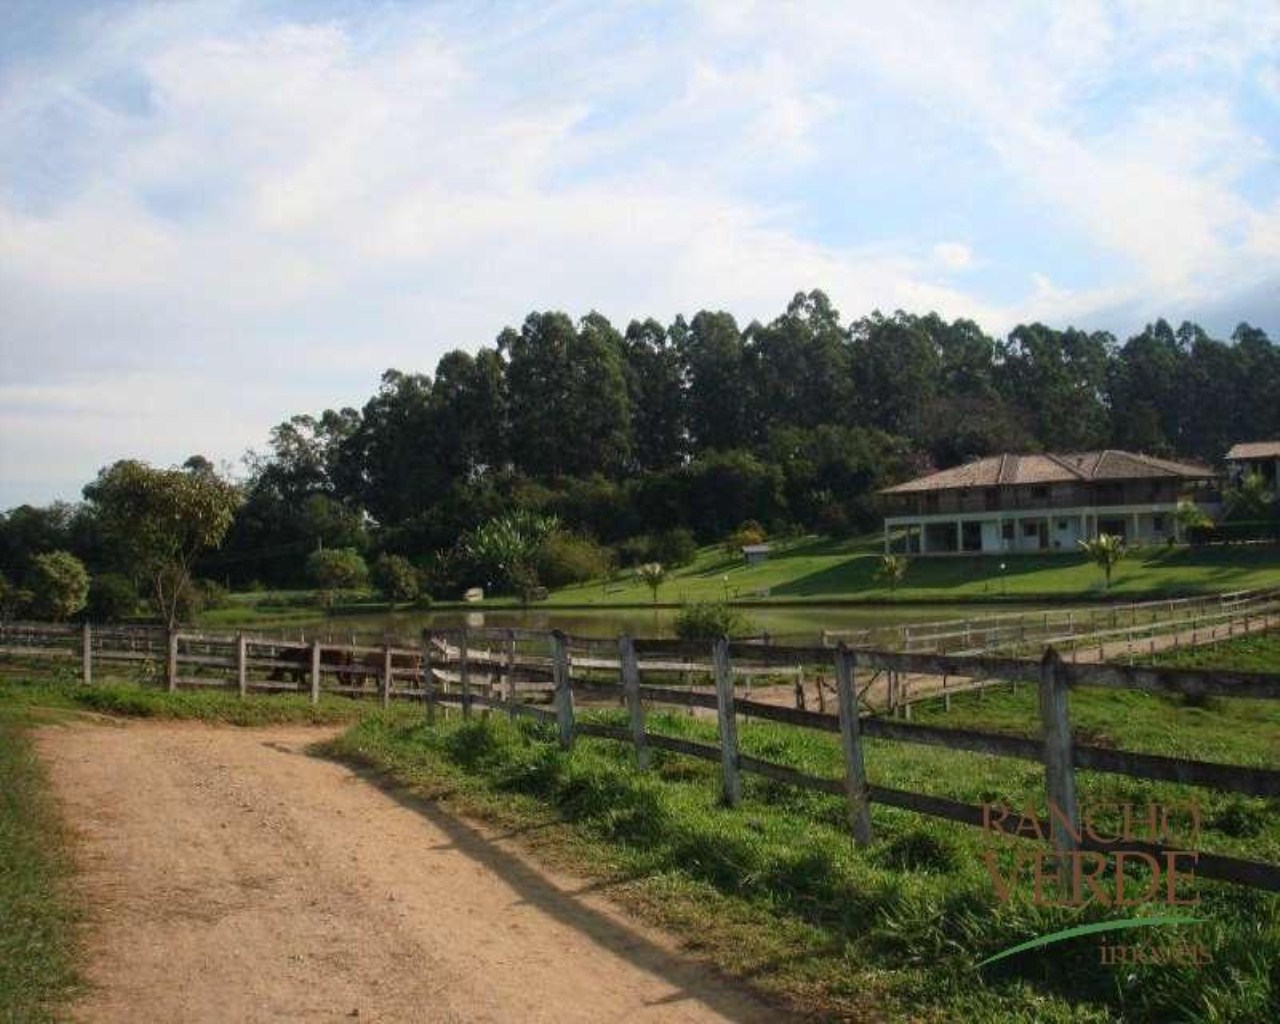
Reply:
x=799 y=625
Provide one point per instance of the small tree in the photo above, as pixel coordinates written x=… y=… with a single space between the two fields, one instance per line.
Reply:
x=1250 y=499
x=652 y=575
x=396 y=578
x=335 y=569
x=60 y=585
x=159 y=521
x=891 y=571
x=1106 y=550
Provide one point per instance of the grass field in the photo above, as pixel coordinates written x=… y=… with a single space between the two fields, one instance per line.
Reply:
x=1260 y=653
x=821 y=570
x=774 y=890
x=38 y=918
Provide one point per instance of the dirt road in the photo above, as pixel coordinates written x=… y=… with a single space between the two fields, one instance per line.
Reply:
x=231 y=877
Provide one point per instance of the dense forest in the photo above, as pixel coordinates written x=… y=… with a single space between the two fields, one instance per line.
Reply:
x=700 y=424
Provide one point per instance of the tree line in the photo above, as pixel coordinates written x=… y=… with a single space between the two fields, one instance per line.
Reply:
x=621 y=436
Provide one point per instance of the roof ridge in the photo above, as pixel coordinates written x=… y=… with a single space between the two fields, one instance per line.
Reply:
x=1061 y=460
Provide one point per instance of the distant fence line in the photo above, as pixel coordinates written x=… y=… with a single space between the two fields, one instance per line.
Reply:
x=542 y=675
x=1069 y=629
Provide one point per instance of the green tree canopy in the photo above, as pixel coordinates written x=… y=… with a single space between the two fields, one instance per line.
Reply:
x=59 y=585
x=160 y=520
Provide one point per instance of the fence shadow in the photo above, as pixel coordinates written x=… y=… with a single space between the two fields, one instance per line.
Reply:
x=694 y=980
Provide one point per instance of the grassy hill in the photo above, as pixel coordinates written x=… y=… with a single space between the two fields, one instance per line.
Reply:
x=816 y=569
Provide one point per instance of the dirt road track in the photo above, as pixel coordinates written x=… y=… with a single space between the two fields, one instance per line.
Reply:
x=231 y=877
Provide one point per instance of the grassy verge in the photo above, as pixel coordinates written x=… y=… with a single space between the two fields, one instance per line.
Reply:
x=29 y=700
x=774 y=891
x=37 y=917
x=1257 y=653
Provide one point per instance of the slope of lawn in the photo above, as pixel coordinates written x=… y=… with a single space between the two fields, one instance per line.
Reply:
x=775 y=891
x=825 y=570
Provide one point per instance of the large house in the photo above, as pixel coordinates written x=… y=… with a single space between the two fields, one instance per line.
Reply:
x=1012 y=503
x=1260 y=458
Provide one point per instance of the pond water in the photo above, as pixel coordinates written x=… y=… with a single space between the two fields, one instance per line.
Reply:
x=797 y=625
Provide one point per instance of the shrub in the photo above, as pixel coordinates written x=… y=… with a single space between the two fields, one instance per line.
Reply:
x=336 y=569
x=112 y=597
x=396 y=578
x=710 y=620
x=14 y=601
x=60 y=585
x=747 y=534
x=565 y=558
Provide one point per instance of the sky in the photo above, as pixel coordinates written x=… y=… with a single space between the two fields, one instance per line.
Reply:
x=214 y=216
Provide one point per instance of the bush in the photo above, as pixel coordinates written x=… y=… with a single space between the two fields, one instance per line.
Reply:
x=60 y=584
x=745 y=535
x=710 y=620
x=396 y=578
x=14 y=601
x=112 y=597
x=336 y=569
x=565 y=558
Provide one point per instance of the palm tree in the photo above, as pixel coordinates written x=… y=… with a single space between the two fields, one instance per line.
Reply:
x=652 y=575
x=1107 y=550
x=892 y=570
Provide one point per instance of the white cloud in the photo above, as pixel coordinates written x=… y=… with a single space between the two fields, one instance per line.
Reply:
x=953 y=255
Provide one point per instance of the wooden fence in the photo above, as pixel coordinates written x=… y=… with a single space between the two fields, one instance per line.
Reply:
x=1069 y=629
x=541 y=675
x=453 y=662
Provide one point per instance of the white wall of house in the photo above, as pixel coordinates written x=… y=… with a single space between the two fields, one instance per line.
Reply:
x=1058 y=530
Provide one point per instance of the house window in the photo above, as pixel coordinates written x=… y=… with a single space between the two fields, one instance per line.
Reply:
x=1006 y=531
x=1039 y=492
x=1030 y=529
x=1157 y=523
x=1062 y=524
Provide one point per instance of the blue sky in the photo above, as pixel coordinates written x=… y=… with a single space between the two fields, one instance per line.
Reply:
x=215 y=215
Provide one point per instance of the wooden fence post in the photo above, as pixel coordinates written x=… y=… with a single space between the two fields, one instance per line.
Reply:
x=1059 y=762
x=387 y=668
x=242 y=665
x=464 y=673
x=315 y=671
x=428 y=678
x=171 y=669
x=855 y=773
x=564 y=689
x=86 y=654
x=511 y=674
x=630 y=669
x=728 y=722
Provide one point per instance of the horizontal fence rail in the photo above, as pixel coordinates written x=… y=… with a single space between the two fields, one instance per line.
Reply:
x=539 y=675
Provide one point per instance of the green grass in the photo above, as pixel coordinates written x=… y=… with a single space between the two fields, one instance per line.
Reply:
x=824 y=570
x=26 y=700
x=1256 y=653
x=775 y=891
x=38 y=919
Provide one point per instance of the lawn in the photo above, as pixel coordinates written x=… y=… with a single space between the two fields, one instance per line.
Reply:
x=822 y=570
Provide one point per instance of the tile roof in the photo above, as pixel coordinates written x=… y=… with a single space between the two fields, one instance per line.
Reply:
x=1255 y=450
x=1011 y=469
